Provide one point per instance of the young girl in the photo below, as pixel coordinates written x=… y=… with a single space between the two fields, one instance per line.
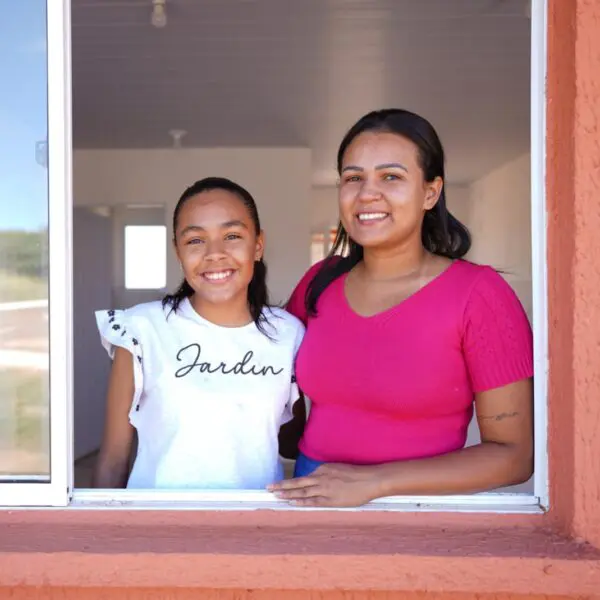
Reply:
x=206 y=376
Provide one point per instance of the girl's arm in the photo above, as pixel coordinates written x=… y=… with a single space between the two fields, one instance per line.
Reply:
x=504 y=457
x=112 y=466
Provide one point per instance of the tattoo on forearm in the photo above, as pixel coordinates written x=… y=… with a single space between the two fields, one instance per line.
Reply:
x=500 y=417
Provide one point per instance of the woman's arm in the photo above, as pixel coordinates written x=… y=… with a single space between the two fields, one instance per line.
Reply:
x=112 y=467
x=504 y=457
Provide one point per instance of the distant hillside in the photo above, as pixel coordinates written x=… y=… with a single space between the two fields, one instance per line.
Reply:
x=24 y=253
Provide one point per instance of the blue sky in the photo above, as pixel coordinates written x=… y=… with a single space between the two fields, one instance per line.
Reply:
x=23 y=120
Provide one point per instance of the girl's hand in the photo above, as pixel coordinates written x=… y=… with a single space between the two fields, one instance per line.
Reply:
x=332 y=484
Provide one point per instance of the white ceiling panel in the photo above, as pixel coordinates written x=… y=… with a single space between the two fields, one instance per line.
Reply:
x=289 y=73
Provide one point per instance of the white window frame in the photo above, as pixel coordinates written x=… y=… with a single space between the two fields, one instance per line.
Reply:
x=56 y=492
x=486 y=502
x=61 y=389
x=539 y=246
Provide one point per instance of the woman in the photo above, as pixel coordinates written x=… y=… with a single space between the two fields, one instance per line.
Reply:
x=404 y=338
x=206 y=375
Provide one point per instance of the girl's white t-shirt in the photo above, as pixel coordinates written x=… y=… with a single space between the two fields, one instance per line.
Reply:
x=208 y=400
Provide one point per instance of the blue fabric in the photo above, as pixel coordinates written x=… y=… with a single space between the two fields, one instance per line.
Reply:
x=305 y=466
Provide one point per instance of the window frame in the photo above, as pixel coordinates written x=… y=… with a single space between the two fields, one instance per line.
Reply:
x=495 y=502
x=61 y=386
x=58 y=60
x=539 y=246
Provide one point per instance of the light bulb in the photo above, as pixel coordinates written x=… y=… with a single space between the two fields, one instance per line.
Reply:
x=177 y=135
x=159 y=14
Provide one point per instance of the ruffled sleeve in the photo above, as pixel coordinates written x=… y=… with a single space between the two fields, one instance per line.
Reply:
x=115 y=329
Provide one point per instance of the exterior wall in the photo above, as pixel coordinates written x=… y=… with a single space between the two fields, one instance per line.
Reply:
x=344 y=555
x=267 y=553
x=218 y=594
x=573 y=182
x=586 y=275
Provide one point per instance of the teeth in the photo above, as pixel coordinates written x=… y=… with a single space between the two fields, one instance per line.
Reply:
x=371 y=216
x=218 y=276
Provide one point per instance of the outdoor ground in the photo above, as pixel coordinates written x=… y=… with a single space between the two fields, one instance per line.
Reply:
x=24 y=399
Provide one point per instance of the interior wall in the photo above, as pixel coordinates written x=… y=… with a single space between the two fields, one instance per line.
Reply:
x=458 y=201
x=92 y=240
x=278 y=178
x=323 y=208
x=497 y=210
x=500 y=218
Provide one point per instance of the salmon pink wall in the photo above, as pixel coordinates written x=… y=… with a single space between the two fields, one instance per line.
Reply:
x=573 y=196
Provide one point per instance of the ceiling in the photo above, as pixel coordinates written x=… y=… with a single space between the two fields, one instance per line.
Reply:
x=300 y=72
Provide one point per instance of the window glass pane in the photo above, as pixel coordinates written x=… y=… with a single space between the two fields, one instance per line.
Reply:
x=24 y=333
x=145 y=257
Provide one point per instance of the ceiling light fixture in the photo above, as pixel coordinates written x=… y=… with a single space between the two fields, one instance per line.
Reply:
x=159 y=13
x=177 y=135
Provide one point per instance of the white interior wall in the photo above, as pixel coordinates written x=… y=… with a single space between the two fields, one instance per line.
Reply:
x=278 y=178
x=458 y=201
x=92 y=274
x=323 y=208
x=500 y=219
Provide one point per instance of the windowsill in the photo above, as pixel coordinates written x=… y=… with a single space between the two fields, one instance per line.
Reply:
x=294 y=550
x=262 y=500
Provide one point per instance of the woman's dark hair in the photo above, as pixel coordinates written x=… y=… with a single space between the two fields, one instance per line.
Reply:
x=442 y=234
x=258 y=295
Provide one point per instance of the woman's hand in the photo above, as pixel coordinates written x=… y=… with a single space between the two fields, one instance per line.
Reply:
x=332 y=484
